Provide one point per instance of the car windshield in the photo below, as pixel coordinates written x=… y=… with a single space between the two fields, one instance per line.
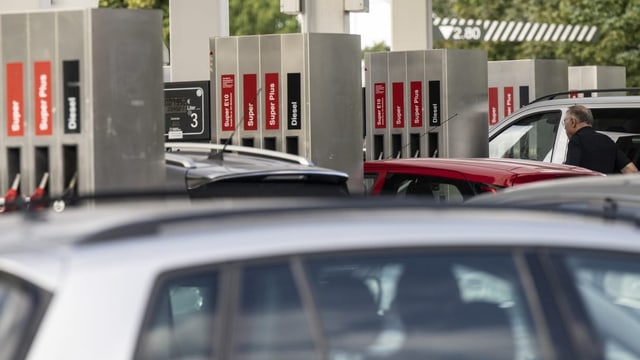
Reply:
x=18 y=315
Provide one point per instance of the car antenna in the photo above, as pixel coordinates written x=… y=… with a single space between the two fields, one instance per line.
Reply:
x=435 y=153
x=218 y=155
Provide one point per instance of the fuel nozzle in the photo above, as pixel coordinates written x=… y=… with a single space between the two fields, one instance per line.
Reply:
x=68 y=196
x=8 y=201
x=36 y=200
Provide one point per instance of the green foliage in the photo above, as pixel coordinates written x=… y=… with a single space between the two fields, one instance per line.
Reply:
x=259 y=17
x=143 y=4
x=246 y=17
x=618 y=23
x=376 y=47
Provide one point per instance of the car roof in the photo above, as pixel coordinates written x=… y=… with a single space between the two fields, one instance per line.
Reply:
x=216 y=162
x=591 y=102
x=501 y=170
x=41 y=245
x=619 y=187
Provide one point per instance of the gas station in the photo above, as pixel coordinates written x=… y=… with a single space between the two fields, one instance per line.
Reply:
x=78 y=92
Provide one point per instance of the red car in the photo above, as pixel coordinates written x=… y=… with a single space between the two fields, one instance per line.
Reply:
x=454 y=180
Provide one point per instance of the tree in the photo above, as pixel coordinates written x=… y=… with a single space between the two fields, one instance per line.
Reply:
x=378 y=46
x=618 y=22
x=253 y=17
x=246 y=17
x=143 y=4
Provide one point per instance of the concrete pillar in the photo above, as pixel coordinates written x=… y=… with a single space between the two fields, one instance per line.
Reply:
x=192 y=23
x=411 y=25
x=325 y=16
x=20 y=5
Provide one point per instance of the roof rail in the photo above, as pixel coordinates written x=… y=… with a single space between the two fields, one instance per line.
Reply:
x=585 y=92
x=246 y=150
x=180 y=160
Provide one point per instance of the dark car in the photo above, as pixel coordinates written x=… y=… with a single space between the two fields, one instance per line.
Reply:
x=216 y=170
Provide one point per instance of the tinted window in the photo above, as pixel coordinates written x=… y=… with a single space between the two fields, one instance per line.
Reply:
x=619 y=120
x=610 y=289
x=19 y=310
x=413 y=306
x=271 y=323
x=182 y=318
x=296 y=185
x=427 y=187
x=530 y=138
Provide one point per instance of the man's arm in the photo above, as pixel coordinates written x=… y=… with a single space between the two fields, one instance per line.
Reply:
x=623 y=163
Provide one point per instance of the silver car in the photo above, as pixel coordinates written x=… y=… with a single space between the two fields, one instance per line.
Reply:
x=618 y=195
x=317 y=279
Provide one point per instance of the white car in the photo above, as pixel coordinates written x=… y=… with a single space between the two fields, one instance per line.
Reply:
x=534 y=132
x=317 y=279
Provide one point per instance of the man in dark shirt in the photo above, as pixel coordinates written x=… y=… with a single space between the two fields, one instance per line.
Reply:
x=591 y=149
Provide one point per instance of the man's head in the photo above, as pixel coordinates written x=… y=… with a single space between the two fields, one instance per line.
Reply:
x=576 y=118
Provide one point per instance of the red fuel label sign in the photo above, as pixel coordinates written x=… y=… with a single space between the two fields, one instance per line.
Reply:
x=249 y=101
x=508 y=100
x=493 y=106
x=417 y=111
x=398 y=105
x=227 y=92
x=15 y=99
x=380 y=97
x=42 y=96
x=272 y=101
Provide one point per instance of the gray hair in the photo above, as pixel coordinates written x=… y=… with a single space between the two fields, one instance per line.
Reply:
x=581 y=113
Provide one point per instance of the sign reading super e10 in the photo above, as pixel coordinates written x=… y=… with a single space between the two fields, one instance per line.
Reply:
x=186 y=111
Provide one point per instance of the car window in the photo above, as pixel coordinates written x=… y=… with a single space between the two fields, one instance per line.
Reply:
x=616 y=119
x=369 y=180
x=181 y=319
x=271 y=322
x=610 y=289
x=530 y=138
x=18 y=314
x=422 y=306
x=427 y=187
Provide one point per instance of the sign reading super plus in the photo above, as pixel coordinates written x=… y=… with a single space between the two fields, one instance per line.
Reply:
x=42 y=96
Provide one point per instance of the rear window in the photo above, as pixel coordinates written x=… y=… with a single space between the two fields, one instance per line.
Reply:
x=21 y=307
x=268 y=187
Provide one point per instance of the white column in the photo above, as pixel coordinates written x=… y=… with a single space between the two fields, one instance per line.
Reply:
x=411 y=25
x=192 y=23
x=20 y=5
x=324 y=16
x=70 y=3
